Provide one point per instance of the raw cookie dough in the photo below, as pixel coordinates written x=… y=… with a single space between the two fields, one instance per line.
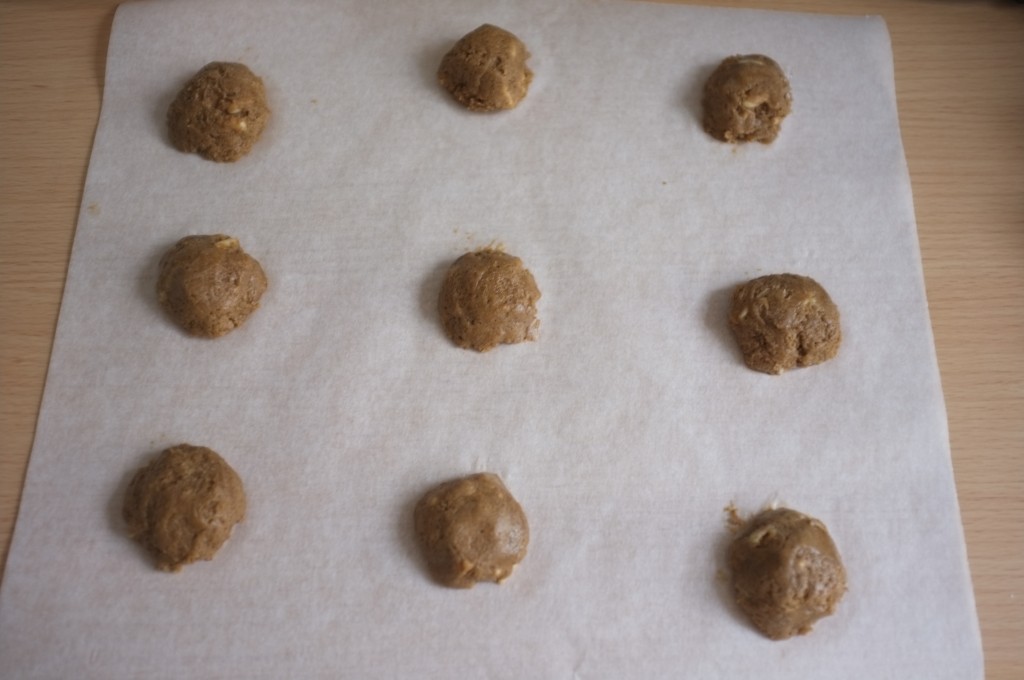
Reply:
x=488 y=298
x=220 y=113
x=486 y=70
x=786 y=572
x=209 y=285
x=745 y=99
x=784 y=320
x=471 y=529
x=182 y=506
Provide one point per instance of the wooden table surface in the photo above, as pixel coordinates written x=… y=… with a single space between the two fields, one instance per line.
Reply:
x=960 y=87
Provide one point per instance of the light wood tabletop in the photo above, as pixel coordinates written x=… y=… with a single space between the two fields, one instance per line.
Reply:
x=960 y=88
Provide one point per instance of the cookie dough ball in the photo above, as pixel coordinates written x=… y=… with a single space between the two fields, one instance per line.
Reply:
x=488 y=298
x=209 y=285
x=471 y=530
x=182 y=506
x=745 y=99
x=786 y=572
x=220 y=113
x=486 y=70
x=784 y=320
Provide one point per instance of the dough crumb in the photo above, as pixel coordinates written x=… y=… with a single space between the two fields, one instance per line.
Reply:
x=782 y=321
x=486 y=70
x=786 y=572
x=220 y=113
x=745 y=99
x=488 y=298
x=471 y=530
x=183 y=505
x=209 y=285
x=734 y=520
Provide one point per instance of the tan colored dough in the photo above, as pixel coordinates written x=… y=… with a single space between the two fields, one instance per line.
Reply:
x=745 y=99
x=486 y=70
x=784 y=320
x=209 y=285
x=786 y=572
x=488 y=298
x=182 y=506
x=220 y=113
x=471 y=530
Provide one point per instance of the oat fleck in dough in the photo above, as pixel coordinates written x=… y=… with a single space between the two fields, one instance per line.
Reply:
x=786 y=572
x=220 y=113
x=784 y=320
x=471 y=530
x=182 y=506
x=745 y=99
x=486 y=70
x=209 y=285
x=488 y=298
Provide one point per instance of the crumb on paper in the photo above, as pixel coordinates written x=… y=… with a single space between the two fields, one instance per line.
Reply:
x=734 y=520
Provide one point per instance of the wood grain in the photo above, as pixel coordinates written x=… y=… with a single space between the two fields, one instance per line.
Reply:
x=960 y=85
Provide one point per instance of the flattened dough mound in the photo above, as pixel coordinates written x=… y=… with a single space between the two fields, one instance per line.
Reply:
x=209 y=285
x=471 y=530
x=182 y=506
x=220 y=113
x=786 y=572
x=784 y=320
x=488 y=298
x=486 y=70
x=745 y=99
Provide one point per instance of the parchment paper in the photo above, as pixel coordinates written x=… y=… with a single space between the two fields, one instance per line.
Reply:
x=623 y=431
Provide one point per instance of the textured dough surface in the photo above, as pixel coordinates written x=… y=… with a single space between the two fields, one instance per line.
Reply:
x=784 y=320
x=786 y=572
x=486 y=70
x=488 y=298
x=209 y=285
x=182 y=506
x=220 y=113
x=745 y=99
x=471 y=530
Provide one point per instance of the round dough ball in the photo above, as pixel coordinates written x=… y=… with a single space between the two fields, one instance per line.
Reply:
x=471 y=530
x=486 y=70
x=182 y=506
x=786 y=572
x=745 y=99
x=784 y=320
x=209 y=285
x=488 y=298
x=220 y=113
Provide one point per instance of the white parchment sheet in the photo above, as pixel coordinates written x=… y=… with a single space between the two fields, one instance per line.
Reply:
x=623 y=431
